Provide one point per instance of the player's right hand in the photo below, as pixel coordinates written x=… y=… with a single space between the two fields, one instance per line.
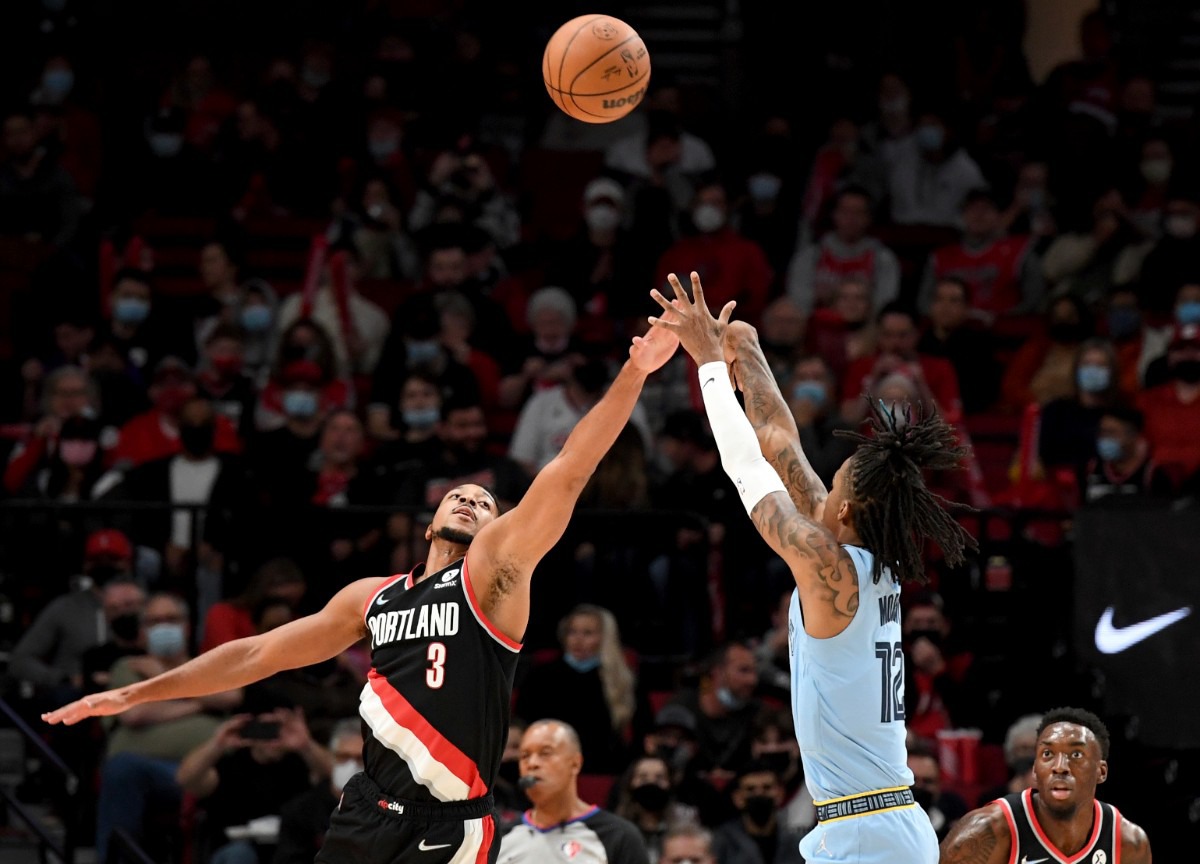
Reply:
x=94 y=705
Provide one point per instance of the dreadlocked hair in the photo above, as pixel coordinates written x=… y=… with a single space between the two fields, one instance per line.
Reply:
x=894 y=511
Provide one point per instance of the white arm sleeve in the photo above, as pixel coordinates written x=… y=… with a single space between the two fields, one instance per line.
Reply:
x=736 y=442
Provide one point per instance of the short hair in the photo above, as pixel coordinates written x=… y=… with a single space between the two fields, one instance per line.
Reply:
x=225 y=330
x=854 y=189
x=692 y=831
x=181 y=604
x=960 y=282
x=1078 y=717
x=753 y=766
x=343 y=728
x=134 y=274
x=1127 y=414
x=981 y=194
x=897 y=307
x=1030 y=724
x=720 y=654
x=555 y=298
x=568 y=730
x=779 y=719
x=923 y=750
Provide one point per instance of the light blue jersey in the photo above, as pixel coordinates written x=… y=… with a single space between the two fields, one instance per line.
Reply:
x=848 y=705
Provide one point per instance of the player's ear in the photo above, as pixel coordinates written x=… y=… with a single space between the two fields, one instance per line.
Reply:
x=429 y=532
x=1103 y=772
x=843 y=513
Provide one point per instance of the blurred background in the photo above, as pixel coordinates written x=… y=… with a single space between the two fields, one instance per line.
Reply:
x=274 y=277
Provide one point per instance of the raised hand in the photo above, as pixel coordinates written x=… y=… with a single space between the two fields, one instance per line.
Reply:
x=94 y=705
x=651 y=351
x=699 y=333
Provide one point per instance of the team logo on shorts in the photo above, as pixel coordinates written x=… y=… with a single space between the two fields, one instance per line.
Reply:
x=392 y=806
x=572 y=848
x=1100 y=857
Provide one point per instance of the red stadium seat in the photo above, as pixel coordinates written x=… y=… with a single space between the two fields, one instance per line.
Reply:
x=594 y=788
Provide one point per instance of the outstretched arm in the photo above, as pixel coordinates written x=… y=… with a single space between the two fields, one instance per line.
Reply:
x=303 y=642
x=502 y=558
x=825 y=575
x=769 y=414
x=980 y=837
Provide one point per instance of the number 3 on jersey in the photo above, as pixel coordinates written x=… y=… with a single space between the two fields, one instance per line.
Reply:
x=435 y=675
x=891 y=659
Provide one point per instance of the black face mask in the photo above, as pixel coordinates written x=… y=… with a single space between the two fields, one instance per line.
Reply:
x=510 y=772
x=1067 y=331
x=197 y=440
x=1187 y=371
x=934 y=636
x=779 y=762
x=759 y=809
x=125 y=627
x=923 y=797
x=650 y=797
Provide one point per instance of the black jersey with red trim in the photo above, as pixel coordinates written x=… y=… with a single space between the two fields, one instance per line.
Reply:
x=436 y=703
x=1031 y=845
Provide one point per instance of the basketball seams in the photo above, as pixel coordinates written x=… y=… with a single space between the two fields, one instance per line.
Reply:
x=600 y=59
x=587 y=105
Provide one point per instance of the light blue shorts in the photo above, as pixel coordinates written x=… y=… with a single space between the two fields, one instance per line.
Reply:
x=888 y=837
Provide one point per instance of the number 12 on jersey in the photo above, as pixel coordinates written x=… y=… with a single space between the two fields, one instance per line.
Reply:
x=891 y=661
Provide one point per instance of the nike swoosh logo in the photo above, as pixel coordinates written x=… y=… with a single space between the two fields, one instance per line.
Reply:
x=422 y=847
x=706 y=383
x=1025 y=860
x=1114 y=640
x=381 y=601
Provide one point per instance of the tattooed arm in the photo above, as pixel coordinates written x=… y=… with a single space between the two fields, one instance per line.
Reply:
x=1135 y=845
x=824 y=573
x=980 y=837
x=769 y=414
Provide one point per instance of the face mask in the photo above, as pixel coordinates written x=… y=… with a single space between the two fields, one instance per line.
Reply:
x=1125 y=321
x=171 y=397
x=166 y=145
x=1066 y=331
x=131 y=310
x=602 y=217
x=1180 y=226
x=421 y=418
x=301 y=404
x=256 y=319
x=165 y=640
x=809 y=391
x=764 y=187
x=1187 y=371
x=779 y=762
x=197 y=440
x=588 y=664
x=759 y=809
x=708 y=218
x=1188 y=312
x=934 y=636
x=1109 y=449
x=726 y=698
x=58 y=83
x=930 y=138
x=125 y=627
x=227 y=364
x=421 y=352
x=650 y=797
x=382 y=148
x=1093 y=379
x=77 y=453
x=1156 y=171
x=894 y=107
x=342 y=772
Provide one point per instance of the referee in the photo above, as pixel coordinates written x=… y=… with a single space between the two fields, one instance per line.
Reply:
x=560 y=826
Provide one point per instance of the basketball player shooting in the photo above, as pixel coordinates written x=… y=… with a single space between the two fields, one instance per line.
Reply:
x=848 y=548
x=444 y=643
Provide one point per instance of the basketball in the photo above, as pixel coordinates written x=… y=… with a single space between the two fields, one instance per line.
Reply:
x=596 y=68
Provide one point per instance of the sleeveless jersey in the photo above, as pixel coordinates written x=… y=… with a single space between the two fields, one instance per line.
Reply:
x=993 y=274
x=832 y=270
x=848 y=693
x=436 y=703
x=1030 y=843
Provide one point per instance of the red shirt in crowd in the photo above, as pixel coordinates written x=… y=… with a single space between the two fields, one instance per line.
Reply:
x=939 y=375
x=1172 y=427
x=730 y=267
x=148 y=436
x=993 y=274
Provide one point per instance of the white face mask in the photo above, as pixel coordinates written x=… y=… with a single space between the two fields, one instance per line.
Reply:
x=343 y=771
x=708 y=218
x=602 y=217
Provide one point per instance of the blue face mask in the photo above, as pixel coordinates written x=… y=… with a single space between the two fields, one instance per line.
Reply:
x=58 y=83
x=764 y=187
x=1123 y=322
x=165 y=640
x=256 y=319
x=1188 y=312
x=301 y=404
x=585 y=665
x=810 y=391
x=425 y=351
x=131 y=310
x=1109 y=449
x=930 y=138
x=421 y=418
x=1093 y=379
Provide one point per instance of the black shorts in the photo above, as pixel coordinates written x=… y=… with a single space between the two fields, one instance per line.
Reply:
x=368 y=827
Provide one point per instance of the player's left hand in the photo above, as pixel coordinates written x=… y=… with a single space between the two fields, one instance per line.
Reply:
x=651 y=351
x=698 y=332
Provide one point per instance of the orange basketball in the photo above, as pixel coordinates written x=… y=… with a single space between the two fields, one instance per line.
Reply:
x=596 y=68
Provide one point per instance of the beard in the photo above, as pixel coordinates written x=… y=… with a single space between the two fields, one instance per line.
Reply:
x=453 y=535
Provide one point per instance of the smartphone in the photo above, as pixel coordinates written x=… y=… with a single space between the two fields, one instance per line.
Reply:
x=260 y=730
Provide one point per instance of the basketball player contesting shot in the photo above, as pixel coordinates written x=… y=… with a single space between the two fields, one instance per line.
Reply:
x=1058 y=819
x=444 y=643
x=849 y=548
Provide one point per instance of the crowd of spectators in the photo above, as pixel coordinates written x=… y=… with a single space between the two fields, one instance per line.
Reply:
x=203 y=451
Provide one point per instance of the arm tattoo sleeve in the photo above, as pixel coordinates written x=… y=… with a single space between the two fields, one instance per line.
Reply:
x=973 y=842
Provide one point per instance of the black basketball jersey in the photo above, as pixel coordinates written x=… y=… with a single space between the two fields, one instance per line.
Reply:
x=436 y=703
x=1030 y=845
